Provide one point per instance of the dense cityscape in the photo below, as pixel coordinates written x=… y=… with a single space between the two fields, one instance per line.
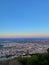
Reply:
x=11 y=48
x=24 y=32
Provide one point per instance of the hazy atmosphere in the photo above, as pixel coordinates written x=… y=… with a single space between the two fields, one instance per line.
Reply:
x=24 y=18
x=24 y=32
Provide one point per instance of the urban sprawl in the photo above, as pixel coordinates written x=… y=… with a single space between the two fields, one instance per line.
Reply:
x=16 y=48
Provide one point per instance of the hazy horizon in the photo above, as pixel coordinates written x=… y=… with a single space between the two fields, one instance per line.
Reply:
x=24 y=18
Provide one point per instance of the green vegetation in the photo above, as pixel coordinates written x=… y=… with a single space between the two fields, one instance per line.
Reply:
x=37 y=59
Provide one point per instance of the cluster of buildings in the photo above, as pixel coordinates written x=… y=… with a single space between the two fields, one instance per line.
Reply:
x=17 y=49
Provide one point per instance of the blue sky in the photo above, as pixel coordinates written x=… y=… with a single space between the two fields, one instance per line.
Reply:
x=24 y=17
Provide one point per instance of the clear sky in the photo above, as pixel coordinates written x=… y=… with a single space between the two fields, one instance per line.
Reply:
x=20 y=18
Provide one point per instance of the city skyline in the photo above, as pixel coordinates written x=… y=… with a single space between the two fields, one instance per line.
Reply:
x=24 y=18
